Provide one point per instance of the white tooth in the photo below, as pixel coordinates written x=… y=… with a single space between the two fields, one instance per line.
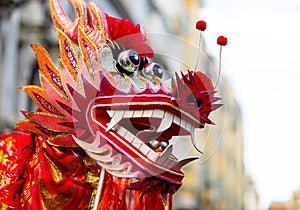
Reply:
x=152 y=155
x=166 y=122
x=110 y=112
x=158 y=113
x=147 y=113
x=128 y=114
x=188 y=127
x=145 y=149
x=182 y=123
x=116 y=118
x=176 y=120
x=129 y=137
x=137 y=143
x=137 y=113
x=121 y=131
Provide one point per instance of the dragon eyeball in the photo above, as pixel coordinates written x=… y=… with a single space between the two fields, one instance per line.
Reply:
x=152 y=69
x=129 y=60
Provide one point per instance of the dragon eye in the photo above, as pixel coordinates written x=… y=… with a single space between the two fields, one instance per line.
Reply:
x=152 y=69
x=191 y=100
x=157 y=70
x=129 y=60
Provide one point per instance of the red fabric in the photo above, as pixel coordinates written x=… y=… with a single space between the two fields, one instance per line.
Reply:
x=29 y=174
x=28 y=179
x=115 y=196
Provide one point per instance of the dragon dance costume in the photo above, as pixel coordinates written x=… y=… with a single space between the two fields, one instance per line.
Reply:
x=101 y=136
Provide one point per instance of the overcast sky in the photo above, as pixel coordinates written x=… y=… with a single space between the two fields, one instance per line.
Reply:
x=262 y=63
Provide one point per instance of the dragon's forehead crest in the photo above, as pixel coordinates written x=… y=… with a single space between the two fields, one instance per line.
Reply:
x=108 y=97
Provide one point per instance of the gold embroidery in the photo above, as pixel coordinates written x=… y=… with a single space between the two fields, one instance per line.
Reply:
x=3 y=206
x=56 y=172
x=54 y=201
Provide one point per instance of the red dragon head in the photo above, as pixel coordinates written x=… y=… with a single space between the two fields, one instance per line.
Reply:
x=106 y=97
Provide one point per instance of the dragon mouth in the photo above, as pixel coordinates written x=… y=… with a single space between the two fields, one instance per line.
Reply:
x=150 y=135
x=150 y=130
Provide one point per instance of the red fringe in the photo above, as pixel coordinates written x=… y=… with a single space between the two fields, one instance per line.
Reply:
x=115 y=196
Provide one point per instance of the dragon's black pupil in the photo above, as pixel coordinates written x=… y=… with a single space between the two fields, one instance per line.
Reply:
x=157 y=70
x=134 y=58
x=199 y=103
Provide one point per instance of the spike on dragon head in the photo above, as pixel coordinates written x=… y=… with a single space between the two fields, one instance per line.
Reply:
x=108 y=98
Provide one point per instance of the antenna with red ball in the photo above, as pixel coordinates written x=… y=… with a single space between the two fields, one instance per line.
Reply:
x=222 y=41
x=201 y=26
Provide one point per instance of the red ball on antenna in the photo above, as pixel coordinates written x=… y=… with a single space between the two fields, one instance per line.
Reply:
x=222 y=40
x=201 y=25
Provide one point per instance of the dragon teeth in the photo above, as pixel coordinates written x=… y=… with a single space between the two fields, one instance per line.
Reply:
x=147 y=113
x=128 y=114
x=137 y=113
x=116 y=118
x=166 y=122
x=137 y=143
x=158 y=113
x=176 y=120
x=169 y=156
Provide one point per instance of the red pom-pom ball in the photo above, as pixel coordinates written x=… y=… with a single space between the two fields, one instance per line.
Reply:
x=201 y=25
x=222 y=40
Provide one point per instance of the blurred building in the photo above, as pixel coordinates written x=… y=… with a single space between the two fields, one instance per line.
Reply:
x=251 y=199
x=292 y=204
x=218 y=180
x=295 y=201
x=278 y=206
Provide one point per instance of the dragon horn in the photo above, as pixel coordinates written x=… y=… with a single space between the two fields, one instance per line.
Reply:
x=63 y=22
x=99 y=20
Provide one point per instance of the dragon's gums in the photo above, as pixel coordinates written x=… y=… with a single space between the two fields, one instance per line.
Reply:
x=101 y=136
